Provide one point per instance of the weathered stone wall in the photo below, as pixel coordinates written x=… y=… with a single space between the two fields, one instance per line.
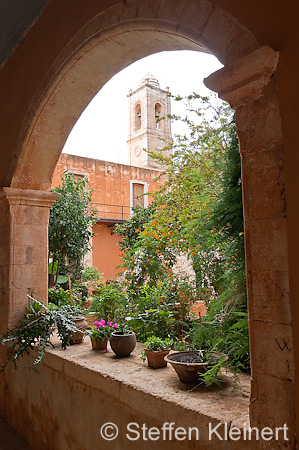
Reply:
x=110 y=181
x=78 y=390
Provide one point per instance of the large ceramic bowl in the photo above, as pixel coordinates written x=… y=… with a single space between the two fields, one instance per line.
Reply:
x=186 y=366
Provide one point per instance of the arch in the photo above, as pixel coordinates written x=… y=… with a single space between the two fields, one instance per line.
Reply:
x=107 y=44
x=158 y=113
x=138 y=118
x=130 y=30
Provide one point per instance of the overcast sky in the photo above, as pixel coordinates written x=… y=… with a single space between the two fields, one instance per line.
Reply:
x=102 y=130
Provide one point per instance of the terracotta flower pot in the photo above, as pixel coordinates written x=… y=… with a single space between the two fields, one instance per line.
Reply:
x=99 y=345
x=91 y=317
x=122 y=344
x=155 y=359
x=188 y=371
x=86 y=304
x=80 y=323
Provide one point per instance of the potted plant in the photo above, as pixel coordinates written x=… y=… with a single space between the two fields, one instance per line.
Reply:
x=37 y=328
x=74 y=313
x=123 y=342
x=155 y=351
x=99 y=333
x=81 y=325
x=197 y=365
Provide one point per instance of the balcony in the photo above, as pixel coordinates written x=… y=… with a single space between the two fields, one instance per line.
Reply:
x=108 y=213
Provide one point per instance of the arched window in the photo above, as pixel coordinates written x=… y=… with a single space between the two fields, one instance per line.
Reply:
x=137 y=117
x=158 y=108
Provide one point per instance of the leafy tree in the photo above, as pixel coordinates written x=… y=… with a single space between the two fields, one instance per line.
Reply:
x=70 y=224
x=227 y=215
x=199 y=176
x=198 y=212
x=129 y=230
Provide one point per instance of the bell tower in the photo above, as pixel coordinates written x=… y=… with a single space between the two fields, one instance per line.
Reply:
x=147 y=104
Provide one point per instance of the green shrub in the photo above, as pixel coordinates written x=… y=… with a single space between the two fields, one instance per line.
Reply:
x=227 y=333
x=110 y=301
x=157 y=344
x=58 y=296
x=91 y=273
x=152 y=321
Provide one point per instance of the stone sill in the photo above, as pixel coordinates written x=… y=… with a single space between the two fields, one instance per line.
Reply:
x=155 y=393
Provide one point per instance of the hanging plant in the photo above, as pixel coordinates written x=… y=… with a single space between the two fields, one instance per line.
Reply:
x=37 y=328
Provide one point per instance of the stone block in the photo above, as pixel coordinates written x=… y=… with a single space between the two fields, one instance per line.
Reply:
x=271 y=156
x=268 y=295
x=16 y=315
x=259 y=122
x=148 y=9
x=195 y=15
x=170 y=10
x=32 y=235
x=220 y=29
x=129 y=10
x=266 y=245
x=19 y=299
x=272 y=345
x=40 y=291
x=272 y=404
x=263 y=192
x=30 y=276
x=30 y=215
x=29 y=254
x=242 y=43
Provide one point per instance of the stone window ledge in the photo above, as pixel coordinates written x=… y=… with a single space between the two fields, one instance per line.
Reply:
x=155 y=393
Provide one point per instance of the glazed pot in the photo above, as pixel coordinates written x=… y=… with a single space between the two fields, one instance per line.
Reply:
x=185 y=366
x=80 y=323
x=99 y=345
x=122 y=344
x=155 y=359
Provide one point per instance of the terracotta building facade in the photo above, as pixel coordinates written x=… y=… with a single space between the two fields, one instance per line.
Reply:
x=118 y=188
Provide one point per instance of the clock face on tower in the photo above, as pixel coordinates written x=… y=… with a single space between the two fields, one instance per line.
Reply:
x=137 y=151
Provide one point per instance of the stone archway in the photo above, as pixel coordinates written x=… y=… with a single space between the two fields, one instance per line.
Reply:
x=112 y=40
x=115 y=38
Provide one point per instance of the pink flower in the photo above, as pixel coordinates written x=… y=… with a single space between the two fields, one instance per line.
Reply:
x=115 y=325
x=102 y=323
x=97 y=324
x=109 y=323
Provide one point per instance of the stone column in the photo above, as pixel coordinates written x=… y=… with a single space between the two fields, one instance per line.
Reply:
x=24 y=218
x=249 y=85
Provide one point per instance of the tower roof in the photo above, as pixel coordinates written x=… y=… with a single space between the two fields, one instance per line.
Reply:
x=149 y=79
